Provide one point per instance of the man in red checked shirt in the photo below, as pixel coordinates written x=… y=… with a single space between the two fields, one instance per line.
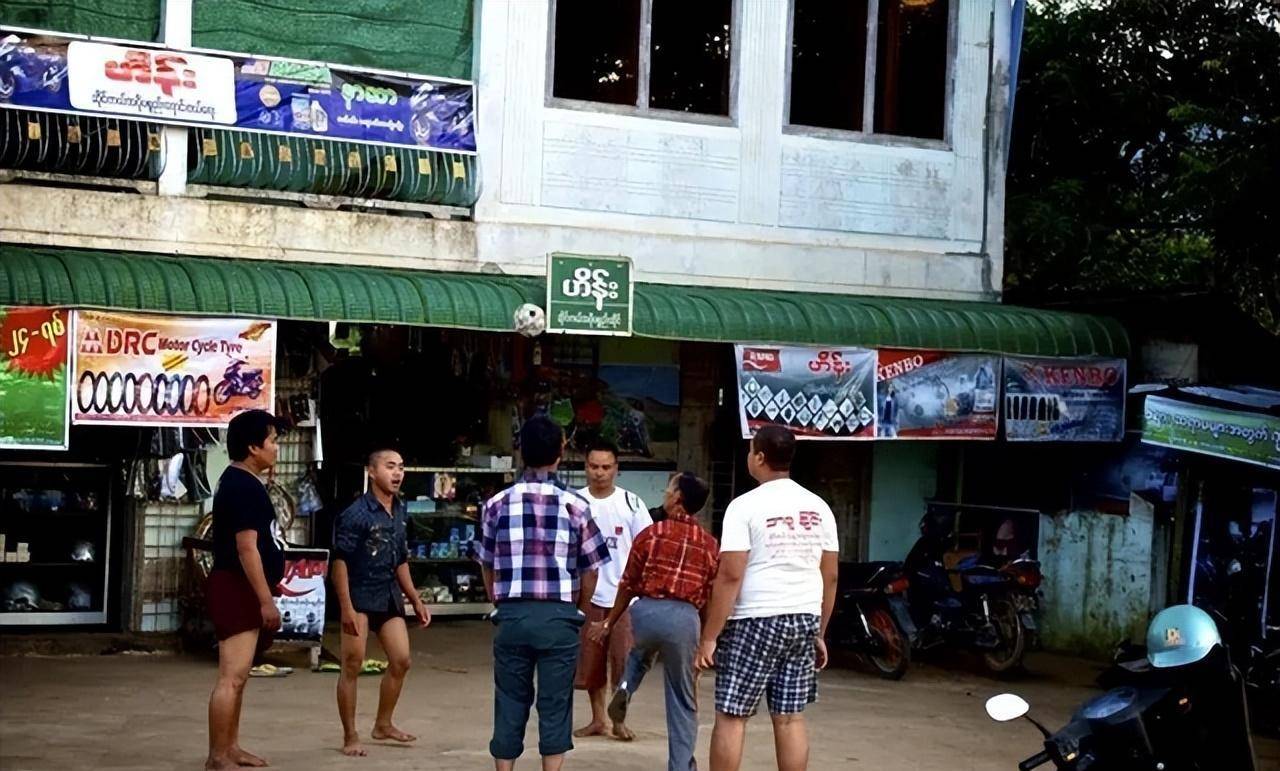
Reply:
x=670 y=570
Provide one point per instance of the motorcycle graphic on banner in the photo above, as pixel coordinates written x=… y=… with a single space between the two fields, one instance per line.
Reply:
x=818 y=393
x=936 y=395
x=146 y=370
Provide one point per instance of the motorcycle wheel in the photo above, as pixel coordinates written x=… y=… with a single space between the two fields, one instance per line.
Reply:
x=1013 y=638
x=222 y=392
x=893 y=662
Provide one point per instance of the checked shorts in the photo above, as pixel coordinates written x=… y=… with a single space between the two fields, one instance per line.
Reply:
x=773 y=657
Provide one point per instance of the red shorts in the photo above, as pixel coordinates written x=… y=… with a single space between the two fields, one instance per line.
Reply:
x=234 y=609
x=593 y=657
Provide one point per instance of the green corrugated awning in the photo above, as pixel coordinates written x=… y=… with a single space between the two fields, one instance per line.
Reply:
x=294 y=290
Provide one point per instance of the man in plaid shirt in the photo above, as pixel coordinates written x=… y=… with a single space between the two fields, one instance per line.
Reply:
x=670 y=570
x=539 y=549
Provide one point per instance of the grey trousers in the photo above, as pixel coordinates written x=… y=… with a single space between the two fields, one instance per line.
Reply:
x=668 y=628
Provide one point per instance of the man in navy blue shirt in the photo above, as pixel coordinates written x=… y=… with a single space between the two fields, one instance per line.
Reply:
x=371 y=578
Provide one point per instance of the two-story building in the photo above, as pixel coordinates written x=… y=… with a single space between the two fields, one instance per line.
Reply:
x=775 y=171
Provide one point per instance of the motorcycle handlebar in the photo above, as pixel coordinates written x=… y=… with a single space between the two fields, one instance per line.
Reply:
x=1038 y=759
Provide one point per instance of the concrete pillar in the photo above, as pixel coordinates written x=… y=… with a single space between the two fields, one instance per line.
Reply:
x=175 y=31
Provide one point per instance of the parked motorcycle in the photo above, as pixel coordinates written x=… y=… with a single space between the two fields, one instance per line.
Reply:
x=1258 y=665
x=993 y=612
x=238 y=382
x=1183 y=709
x=872 y=618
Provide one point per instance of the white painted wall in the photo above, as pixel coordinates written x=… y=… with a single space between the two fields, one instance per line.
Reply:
x=746 y=204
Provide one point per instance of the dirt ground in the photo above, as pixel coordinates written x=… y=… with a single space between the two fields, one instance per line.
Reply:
x=147 y=712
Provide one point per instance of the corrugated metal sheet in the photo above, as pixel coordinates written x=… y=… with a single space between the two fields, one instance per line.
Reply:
x=192 y=285
x=707 y=313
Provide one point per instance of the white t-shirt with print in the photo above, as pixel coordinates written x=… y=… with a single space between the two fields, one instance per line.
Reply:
x=621 y=517
x=785 y=528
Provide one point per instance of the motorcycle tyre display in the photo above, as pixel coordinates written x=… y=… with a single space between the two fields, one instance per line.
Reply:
x=883 y=626
x=1007 y=621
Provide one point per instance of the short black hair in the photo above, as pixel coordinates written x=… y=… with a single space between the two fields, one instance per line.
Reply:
x=693 y=491
x=602 y=445
x=777 y=444
x=378 y=450
x=249 y=429
x=541 y=441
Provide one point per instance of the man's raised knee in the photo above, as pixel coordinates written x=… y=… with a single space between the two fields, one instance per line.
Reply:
x=399 y=665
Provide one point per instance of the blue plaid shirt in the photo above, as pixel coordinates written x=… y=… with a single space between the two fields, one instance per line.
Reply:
x=537 y=536
x=373 y=544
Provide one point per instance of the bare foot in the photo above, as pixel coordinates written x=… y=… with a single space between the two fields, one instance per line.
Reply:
x=352 y=748
x=595 y=729
x=247 y=759
x=622 y=733
x=224 y=763
x=383 y=733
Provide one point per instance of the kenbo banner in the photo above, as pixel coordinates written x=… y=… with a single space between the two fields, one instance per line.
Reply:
x=1063 y=400
x=937 y=395
x=818 y=393
x=146 y=370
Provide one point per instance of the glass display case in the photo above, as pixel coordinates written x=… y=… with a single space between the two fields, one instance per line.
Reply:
x=444 y=523
x=55 y=526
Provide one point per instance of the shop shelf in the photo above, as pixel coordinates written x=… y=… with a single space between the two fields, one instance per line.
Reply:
x=49 y=564
x=457 y=470
x=443 y=515
x=455 y=608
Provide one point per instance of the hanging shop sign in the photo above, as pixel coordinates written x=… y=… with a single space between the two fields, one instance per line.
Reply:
x=1244 y=436
x=1063 y=400
x=589 y=295
x=33 y=378
x=144 y=81
x=936 y=395
x=818 y=393
x=302 y=594
x=146 y=370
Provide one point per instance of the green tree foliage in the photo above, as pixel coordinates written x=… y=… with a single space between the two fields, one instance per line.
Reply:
x=1146 y=152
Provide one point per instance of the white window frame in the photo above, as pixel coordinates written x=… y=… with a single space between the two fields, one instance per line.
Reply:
x=644 y=66
x=868 y=134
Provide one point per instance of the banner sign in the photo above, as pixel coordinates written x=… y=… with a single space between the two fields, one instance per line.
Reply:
x=936 y=395
x=33 y=378
x=144 y=81
x=818 y=393
x=302 y=594
x=170 y=371
x=589 y=295
x=1243 y=436
x=1063 y=400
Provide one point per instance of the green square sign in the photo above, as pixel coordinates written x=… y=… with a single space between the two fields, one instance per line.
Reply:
x=589 y=295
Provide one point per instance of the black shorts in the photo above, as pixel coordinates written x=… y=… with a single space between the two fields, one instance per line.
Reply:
x=379 y=620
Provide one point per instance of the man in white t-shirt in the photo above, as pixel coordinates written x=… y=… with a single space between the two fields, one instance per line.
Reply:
x=770 y=606
x=621 y=516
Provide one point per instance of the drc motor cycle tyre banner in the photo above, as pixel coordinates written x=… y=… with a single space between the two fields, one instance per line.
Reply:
x=144 y=370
